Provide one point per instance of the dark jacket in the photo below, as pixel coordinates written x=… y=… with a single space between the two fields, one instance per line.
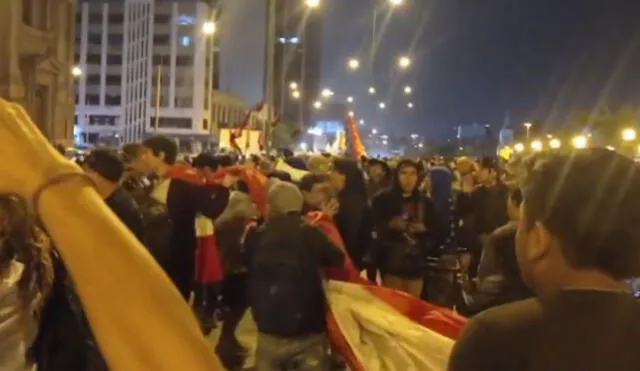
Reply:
x=286 y=255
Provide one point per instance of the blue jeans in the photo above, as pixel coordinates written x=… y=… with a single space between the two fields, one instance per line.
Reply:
x=292 y=354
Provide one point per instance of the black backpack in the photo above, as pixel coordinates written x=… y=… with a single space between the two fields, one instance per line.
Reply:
x=158 y=228
x=285 y=286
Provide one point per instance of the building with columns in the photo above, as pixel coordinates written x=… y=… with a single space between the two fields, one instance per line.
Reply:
x=37 y=54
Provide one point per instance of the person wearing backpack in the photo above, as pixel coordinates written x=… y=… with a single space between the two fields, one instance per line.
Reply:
x=285 y=287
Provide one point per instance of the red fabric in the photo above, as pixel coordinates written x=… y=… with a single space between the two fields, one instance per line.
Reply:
x=359 y=149
x=208 y=262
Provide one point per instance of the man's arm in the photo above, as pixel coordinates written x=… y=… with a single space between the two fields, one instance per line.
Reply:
x=329 y=255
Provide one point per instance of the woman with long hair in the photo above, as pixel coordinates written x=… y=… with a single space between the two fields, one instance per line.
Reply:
x=26 y=275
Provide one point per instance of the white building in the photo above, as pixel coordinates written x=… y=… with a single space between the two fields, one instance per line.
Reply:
x=146 y=67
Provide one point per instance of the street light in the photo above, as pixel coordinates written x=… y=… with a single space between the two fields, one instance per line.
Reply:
x=351 y=113
x=293 y=85
x=295 y=94
x=317 y=104
x=629 y=134
x=519 y=147
x=76 y=71
x=404 y=62
x=361 y=122
x=579 y=142
x=312 y=3
x=396 y=2
x=410 y=105
x=353 y=64
x=374 y=131
x=382 y=105
x=555 y=143
x=528 y=125
x=408 y=90
x=209 y=28
x=536 y=145
x=326 y=93
x=350 y=99
x=372 y=90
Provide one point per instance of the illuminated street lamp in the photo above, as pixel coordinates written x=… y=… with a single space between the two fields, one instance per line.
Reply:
x=361 y=122
x=374 y=131
x=312 y=3
x=528 y=125
x=410 y=105
x=396 y=2
x=350 y=99
x=408 y=90
x=519 y=147
x=293 y=85
x=404 y=62
x=353 y=64
x=76 y=71
x=317 y=104
x=209 y=28
x=629 y=134
x=555 y=143
x=536 y=145
x=295 y=94
x=579 y=142
x=372 y=90
x=326 y=93
x=351 y=113
x=382 y=105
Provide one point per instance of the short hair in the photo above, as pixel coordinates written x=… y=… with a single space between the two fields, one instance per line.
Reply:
x=488 y=162
x=590 y=201
x=206 y=159
x=309 y=180
x=107 y=163
x=225 y=160
x=161 y=144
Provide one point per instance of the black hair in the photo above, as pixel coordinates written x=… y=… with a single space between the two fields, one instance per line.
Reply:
x=161 y=144
x=107 y=163
x=225 y=160
x=280 y=175
x=355 y=184
x=309 y=180
x=131 y=151
x=206 y=159
x=590 y=201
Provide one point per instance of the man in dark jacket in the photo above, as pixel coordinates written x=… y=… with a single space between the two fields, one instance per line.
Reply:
x=404 y=217
x=286 y=294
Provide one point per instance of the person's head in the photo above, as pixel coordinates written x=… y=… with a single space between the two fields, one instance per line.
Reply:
x=513 y=203
x=579 y=221
x=319 y=164
x=346 y=175
x=253 y=161
x=408 y=175
x=22 y=241
x=158 y=152
x=377 y=170
x=206 y=162
x=486 y=170
x=104 y=166
x=284 y=198
x=316 y=189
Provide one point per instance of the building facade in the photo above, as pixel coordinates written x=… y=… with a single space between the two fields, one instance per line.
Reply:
x=148 y=68
x=298 y=57
x=37 y=59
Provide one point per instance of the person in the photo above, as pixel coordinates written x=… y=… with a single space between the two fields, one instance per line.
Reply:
x=318 y=194
x=353 y=218
x=403 y=219
x=106 y=169
x=577 y=241
x=122 y=309
x=185 y=200
x=379 y=177
x=285 y=288
x=27 y=276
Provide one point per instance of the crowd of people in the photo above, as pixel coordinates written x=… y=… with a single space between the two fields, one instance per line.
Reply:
x=105 y=261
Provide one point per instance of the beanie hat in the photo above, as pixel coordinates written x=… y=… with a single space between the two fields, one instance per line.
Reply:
x=284 y=197
x=319 y=164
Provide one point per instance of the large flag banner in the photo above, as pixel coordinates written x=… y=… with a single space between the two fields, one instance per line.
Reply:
x=354 y=140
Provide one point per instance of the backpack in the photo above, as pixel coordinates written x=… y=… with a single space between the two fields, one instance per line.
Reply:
x=158 y=227
x=285 y=286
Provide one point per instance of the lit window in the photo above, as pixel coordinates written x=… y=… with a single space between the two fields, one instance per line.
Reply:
x=283 y=40
x=185 y=41
x=185 y=20
x=294 y=40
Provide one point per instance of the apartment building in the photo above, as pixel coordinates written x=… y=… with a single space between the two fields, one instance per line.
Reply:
x=37 y=59
x=147 y=68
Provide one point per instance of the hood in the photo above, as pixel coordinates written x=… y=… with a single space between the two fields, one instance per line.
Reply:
x=284 y=198
x=240 y=206
x=395 y=183
x=17 y=328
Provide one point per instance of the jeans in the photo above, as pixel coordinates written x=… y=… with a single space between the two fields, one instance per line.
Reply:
x=293 y=354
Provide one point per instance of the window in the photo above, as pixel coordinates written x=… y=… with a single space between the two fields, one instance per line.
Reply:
x=113 y=80
x=115 y=39
x=92 y=100
x=114 y=59
x=182 y=60
x=161 y=39
x=94 y=39
x=185 y=41
x=116 y=18
x=172 y=122
x=102 y=120
x=185 y=20
x=93 y=79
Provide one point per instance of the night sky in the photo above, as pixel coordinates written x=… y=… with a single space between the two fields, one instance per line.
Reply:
x=477 y=60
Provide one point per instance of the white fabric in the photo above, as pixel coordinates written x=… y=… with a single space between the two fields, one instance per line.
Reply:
x=381 y=338
x=17 y=328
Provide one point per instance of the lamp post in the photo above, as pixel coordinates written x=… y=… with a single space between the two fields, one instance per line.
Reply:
x=528 y=125
x=209 y=30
